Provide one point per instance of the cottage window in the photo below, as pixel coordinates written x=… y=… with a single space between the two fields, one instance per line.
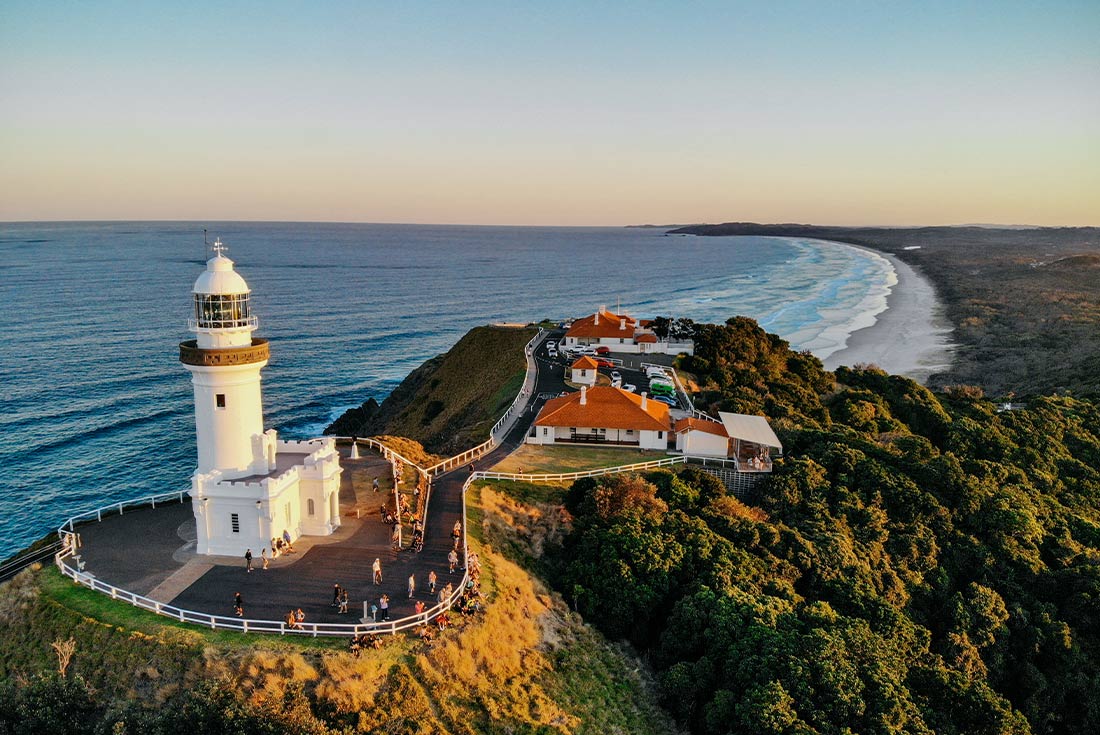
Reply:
x=545 y=431
x=630 y=432
x=660 y=435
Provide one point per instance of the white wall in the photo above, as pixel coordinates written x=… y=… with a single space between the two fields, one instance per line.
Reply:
x=703 y=444
x=584 y=376
x=225 y=435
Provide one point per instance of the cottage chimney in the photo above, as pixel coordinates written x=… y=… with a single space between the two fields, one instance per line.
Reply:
x=622 y=323
x=645 y=402
x=596 y=319
x=584 y=395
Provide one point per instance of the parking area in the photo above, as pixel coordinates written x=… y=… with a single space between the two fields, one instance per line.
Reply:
x=630 y=368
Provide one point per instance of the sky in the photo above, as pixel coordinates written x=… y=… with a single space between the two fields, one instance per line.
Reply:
x=556 y=113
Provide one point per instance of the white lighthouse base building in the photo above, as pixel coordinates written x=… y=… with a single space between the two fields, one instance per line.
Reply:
x=298 y=493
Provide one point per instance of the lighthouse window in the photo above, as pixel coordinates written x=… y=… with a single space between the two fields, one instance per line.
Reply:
x=219 y=311
x=235 y=522
x=309 y=506
x=219 y=400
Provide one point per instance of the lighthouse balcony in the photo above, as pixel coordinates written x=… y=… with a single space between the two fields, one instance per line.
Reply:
x=192 y=354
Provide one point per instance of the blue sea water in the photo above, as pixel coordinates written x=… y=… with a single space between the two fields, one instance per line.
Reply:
x=95 y=407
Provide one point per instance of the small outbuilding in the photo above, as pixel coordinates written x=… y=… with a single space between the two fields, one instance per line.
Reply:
x=584 y=371
x=702 y=438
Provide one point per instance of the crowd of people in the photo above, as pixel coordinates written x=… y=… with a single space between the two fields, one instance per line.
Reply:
x=423 y=593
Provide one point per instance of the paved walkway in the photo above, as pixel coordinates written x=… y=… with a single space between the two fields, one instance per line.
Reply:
x=151 y=551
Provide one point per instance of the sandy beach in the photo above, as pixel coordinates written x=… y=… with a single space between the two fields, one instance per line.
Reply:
x=912 y=337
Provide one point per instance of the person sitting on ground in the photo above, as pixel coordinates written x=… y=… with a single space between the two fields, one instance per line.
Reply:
x=354 y=646
x=374 y=641
x=442 y=621
x=426 y=633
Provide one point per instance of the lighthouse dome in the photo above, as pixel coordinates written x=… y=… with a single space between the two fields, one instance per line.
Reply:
x=221 y=303
x=220 y=278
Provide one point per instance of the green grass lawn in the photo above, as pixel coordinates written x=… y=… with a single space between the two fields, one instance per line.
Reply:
x=101 y=607
x=535 y=458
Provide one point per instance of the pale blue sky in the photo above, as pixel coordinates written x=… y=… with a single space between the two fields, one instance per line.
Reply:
x=573 y=113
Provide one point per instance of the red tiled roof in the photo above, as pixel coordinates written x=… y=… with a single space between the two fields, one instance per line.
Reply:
x=694 y=424
x=585 y=362
x=608 y=326
x=605 y=408
x=646 y=338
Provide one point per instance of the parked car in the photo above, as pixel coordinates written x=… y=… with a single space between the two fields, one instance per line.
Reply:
x=616 y=382
x=652 y=371
x=590 y=351
x=666 y=399
x=602 y=362
x=603 y=350
x=662 y=381
x=660 y=389
x=616 y=375
x=551 y=343
x=629 y=387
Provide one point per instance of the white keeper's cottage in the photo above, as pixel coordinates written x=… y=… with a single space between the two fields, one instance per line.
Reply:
x=603 y=415
x=249 y=486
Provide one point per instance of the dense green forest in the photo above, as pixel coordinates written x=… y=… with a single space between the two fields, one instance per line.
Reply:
x=917 y=563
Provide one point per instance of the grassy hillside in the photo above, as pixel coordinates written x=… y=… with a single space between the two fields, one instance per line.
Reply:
x=1025 y=304
x=525 y=665
x=451 y=401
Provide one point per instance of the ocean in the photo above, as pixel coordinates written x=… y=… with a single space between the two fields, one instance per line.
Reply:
x=96 y=407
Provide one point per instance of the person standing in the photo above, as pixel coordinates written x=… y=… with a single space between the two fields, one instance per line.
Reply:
x=377 y=567
x=452 y=559
x=248 y=561
x=412 y=585
x=384 y=607
x=375 y=484
x=343 y=601
x=335 y=594
x=432 y=578
x=263 y=556
x=238 y=605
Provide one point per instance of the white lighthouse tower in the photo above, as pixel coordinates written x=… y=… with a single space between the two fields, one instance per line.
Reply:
x=249 y=486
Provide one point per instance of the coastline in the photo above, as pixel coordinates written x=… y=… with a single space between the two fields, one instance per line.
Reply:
x=911 y=337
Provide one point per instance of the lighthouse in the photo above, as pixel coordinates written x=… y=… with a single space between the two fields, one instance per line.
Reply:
x=249 y=487
x=225 y=361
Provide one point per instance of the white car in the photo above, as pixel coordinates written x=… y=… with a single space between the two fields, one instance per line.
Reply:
x=590 y=351
x=616 y=375
x=629 y=388
x=651 y=372
x=551 y=344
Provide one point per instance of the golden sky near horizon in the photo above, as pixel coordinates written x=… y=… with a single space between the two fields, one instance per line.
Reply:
x=579 y=116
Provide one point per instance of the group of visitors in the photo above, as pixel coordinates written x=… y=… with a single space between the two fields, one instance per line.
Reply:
x=364 y=640
x=339 y=598
x=294 y=619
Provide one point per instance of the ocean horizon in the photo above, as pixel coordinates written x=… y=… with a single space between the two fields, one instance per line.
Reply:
x=97 y=408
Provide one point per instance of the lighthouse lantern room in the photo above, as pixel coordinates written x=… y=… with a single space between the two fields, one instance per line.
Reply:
x=249 y=486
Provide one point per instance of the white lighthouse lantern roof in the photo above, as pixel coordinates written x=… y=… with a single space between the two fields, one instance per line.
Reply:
x=219 y=276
